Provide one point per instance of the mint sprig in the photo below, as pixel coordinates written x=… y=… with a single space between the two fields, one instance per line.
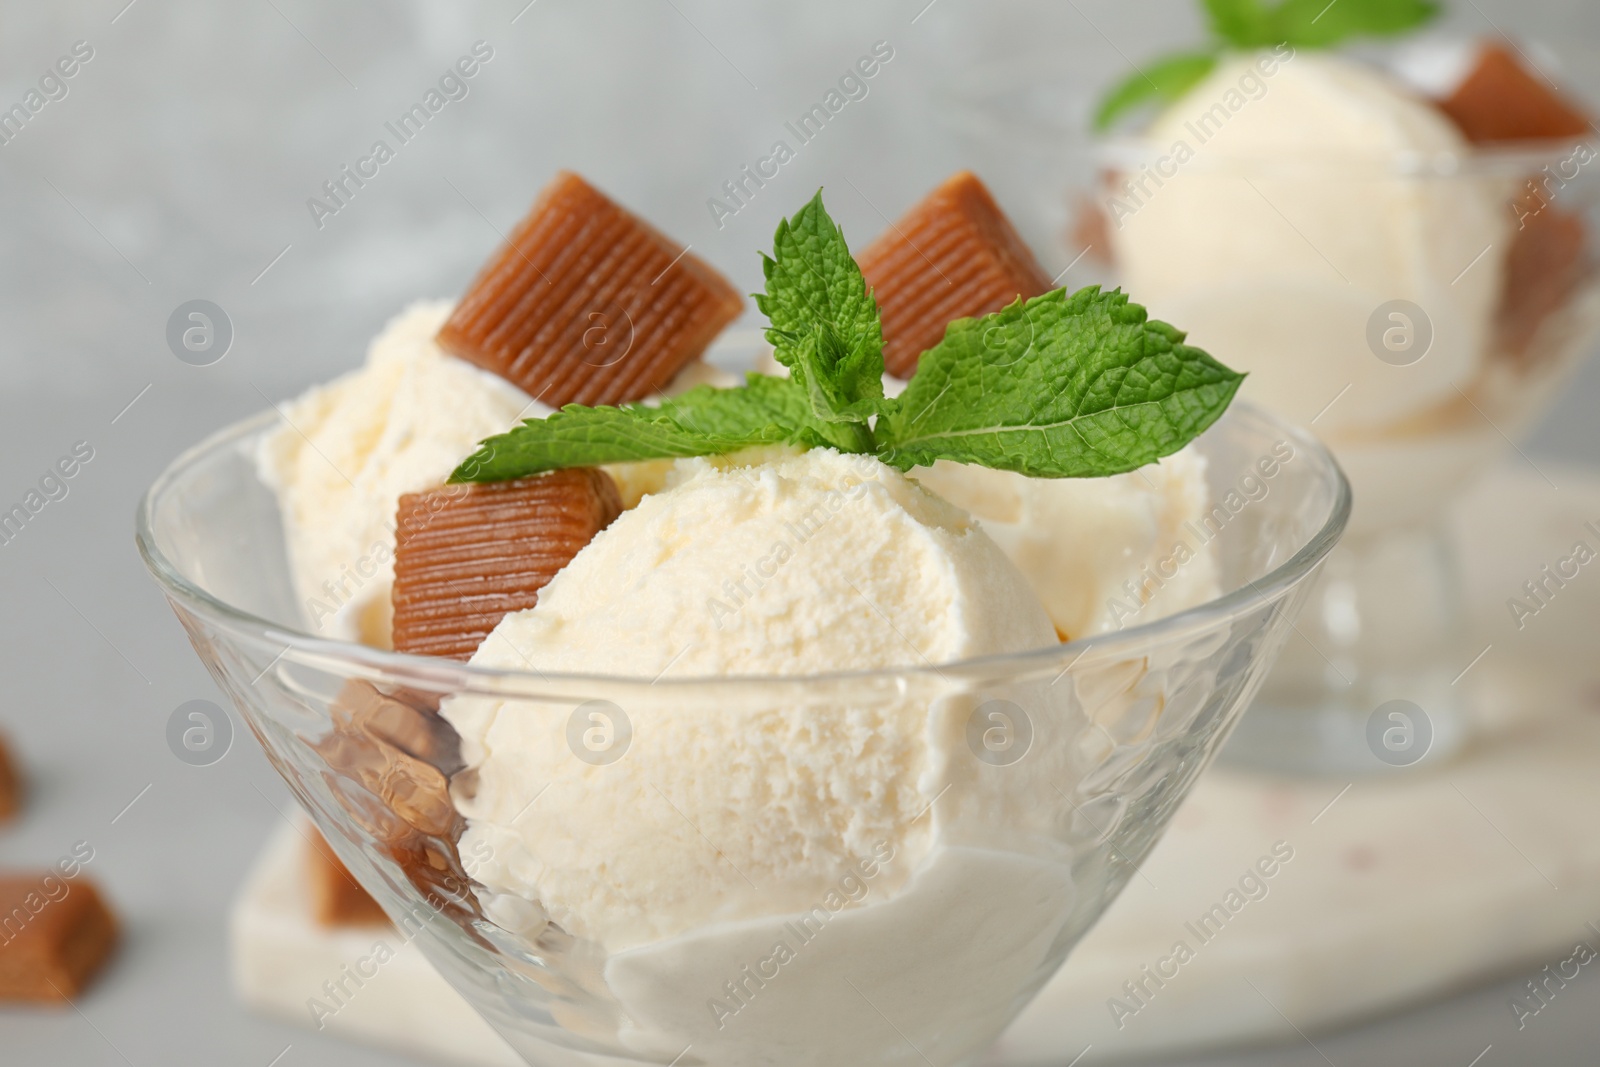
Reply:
x=705 y=421
x=812 y=280
x=1059 y=386
x=1054 y=387
x=1252 y=24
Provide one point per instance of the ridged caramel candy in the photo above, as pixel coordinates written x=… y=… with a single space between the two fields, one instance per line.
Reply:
x=587 y=304
x=337 y=899
x=954 y=255
x=468 y=555
x=1501 y=100
x=10 y=784
x=55 y=935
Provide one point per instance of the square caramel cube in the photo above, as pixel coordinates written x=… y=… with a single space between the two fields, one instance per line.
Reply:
x=1501 y=100
x=954 y=255
x=587 y=304
x=337 y=899
x=468 y=555
x=55 y=935
x=10 y=784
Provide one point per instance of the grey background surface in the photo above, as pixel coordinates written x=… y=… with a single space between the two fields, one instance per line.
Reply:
x=179 y=166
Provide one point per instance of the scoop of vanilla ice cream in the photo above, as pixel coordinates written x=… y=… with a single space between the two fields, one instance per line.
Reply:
x=1281 y=216
x=1101 y=553
x=816 y=562
x=346 y=452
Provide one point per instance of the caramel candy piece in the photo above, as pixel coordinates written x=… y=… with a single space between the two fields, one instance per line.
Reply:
x=1501 y=100
x=55 y=933
x=389 y=763
x=469 y=555
x=10 y=785
x=401 y=756
x=337 y=899
x=952 y=256
x=587 y=304
x=1545 y=265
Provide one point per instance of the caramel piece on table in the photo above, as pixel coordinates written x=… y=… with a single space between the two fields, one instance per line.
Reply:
x=1501 y=100
x=952 y=256
x=587 y=304
x=469 y=555
x=337 y=899
x=55 y=934
x=10 y=784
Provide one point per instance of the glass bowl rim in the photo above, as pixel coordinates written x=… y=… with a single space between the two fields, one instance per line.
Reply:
x=435 y=674
x=1515 y=160
x=971 y=108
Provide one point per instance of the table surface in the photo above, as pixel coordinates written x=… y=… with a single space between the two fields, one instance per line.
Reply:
x=179 y=166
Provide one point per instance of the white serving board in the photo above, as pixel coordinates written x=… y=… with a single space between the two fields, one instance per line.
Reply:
x=1401 y=887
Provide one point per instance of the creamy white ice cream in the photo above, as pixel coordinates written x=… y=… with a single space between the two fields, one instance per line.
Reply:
x=346 y=452
x=737 y=863
x=819 y=562
x=1282 y=216
x=1101 y=553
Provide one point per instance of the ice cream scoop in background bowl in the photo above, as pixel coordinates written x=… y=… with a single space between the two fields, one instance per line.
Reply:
x=870 y=867
x=1413 y=298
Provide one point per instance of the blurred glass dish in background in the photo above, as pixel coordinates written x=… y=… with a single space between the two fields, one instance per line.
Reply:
x=1046 y=776
x=1396 y=270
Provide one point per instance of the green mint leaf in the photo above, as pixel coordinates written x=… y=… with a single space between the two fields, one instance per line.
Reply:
x=702 y=422
x=812 y=279
x=1164 y=81
x=1057 y=387
x=1314 y=23
x=832 y=407
x=1317 y=24
x=1243 y=23
x=776 y=406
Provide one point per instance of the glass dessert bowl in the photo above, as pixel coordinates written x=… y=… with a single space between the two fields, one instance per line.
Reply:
x=978 y=846
x=1405 y=265
x=1419 y=378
